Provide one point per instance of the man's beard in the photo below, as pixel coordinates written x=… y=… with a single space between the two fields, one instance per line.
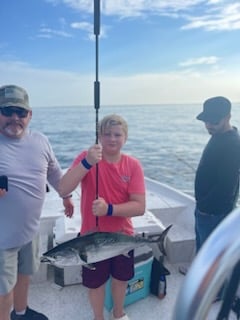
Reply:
x=14 y=130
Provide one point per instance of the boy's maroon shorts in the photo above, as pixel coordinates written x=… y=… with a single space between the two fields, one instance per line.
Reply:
x=120 y=268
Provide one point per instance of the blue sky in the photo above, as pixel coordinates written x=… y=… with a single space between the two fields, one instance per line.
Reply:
x=150 y=51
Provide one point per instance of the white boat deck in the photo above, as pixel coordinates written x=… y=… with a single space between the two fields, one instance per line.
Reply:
x=164 y=206
x=71 y=302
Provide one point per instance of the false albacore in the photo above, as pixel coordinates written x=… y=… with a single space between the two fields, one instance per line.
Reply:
x=98 y=246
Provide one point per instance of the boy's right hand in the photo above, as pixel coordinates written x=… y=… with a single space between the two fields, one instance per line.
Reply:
x=94 y=154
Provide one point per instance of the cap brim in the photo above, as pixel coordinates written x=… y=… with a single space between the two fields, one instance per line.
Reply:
x=15 y=104
x=208 y=117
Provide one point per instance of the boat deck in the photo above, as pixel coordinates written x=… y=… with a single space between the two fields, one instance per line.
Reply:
x=71 y=302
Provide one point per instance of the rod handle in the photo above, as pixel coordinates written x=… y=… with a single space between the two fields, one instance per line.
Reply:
x=96 y=17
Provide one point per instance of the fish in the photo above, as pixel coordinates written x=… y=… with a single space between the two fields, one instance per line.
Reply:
x=97 y=246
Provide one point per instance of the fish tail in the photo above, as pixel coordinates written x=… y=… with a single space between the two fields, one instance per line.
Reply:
x=161 y=243
x=161 y=240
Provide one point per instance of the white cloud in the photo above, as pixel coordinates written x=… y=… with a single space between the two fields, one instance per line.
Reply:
x=196 y=78
x=58 y=88
x=45 y=32
x=222 y=17
x=48 y=87
x=88 y=27
x=215 y=14
x=200 y=61
x=131 y=7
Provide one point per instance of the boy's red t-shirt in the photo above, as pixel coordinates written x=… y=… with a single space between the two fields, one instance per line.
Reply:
x=116 y=181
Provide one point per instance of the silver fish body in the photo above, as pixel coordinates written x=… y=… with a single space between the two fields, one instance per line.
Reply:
x=98 y=246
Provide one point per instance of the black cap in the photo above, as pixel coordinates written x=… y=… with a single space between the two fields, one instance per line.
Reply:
x=215 y=109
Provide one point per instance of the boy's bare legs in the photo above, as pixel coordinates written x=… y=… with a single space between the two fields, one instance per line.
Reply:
x=96 y=297
x=118 y=293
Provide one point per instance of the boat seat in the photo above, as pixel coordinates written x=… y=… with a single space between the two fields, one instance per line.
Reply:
x=154 y=201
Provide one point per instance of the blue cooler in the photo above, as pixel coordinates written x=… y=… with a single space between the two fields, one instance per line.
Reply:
x=139 y=286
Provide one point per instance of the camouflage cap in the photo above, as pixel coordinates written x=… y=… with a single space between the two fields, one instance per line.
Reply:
x=14 y=96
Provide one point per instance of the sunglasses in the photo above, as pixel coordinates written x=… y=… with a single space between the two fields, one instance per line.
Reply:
x=213 y=123
x=9 y=111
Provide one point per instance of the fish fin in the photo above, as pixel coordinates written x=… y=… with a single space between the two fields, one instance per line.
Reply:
x=127 y=255
x=83 y=256
x=90 y=266
x=44 y=259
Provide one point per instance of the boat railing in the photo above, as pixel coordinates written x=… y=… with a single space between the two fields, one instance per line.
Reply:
x=216 y=266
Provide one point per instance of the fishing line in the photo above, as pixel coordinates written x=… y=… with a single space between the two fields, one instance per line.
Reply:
x=96 y=83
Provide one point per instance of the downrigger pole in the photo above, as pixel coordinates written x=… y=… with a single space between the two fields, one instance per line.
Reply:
x=96 y=83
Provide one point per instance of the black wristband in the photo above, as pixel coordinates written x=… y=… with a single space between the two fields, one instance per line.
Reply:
x=86 y=165
x=110 y=210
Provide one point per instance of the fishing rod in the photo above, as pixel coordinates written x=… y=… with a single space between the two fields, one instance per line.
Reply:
x=96 y=83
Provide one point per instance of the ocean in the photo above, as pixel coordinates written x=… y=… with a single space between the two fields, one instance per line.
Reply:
x=167 y=139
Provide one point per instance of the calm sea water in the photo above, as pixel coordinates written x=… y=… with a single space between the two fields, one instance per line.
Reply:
x=167 y=139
